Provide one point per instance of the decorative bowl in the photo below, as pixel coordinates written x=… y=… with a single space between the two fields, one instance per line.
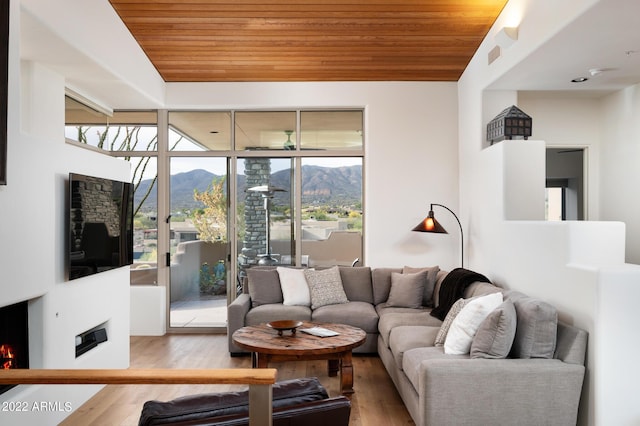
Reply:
x=284 y=325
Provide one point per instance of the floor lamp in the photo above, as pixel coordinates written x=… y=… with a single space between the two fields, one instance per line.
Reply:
x=267 y=192
x=430 y=224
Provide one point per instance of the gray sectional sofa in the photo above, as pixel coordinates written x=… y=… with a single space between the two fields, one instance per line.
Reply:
x=517 y=365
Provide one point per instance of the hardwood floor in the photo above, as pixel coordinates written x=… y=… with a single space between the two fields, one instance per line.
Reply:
x=375 y=401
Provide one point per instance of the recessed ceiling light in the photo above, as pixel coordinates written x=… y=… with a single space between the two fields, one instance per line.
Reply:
x=579 y=80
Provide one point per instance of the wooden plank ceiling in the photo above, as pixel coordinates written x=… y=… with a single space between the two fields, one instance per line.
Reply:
x=309 y=40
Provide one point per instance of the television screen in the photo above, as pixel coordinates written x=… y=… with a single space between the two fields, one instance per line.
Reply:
x=100 y=213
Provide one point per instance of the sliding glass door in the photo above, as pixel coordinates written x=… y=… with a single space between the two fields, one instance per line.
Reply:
x=199 y=247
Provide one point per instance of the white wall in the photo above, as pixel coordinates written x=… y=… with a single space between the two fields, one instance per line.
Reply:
x=89 y=44
x=608 y=127
x=619 y=159
x=148 y=310
x=32 y=230
x=577 y=266
x=411 y=154
x=580 y=126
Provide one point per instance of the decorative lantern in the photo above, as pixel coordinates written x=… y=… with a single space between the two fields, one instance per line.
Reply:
x=509 y=124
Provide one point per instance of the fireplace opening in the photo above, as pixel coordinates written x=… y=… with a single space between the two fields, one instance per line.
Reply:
x=14 y=338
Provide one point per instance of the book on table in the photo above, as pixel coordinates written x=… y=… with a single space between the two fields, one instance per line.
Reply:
x=319 y=331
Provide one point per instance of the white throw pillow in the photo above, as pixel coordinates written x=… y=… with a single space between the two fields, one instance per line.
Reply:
x=465 y=325
x=295 y=290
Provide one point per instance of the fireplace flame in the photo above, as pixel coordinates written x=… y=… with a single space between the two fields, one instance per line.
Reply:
x=6 y=357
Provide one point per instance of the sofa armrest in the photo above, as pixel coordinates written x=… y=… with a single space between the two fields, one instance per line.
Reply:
x=236 y=313
x=489 y=391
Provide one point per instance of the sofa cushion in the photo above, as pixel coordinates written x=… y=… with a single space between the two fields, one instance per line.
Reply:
x=391 y=319
x=277 y=311
x=356 y=282
x=494 y=337
x=357 y=314
x=406 y=337
x=413 y=359
x=407 y=289
x=537 y=327
x=466 y=323
x=293 y=283
x=480 y=288
x=264 y=286
x=203 y=408
x=430 y=283
x=383 y=309
x=446 y=324
x=325 y=287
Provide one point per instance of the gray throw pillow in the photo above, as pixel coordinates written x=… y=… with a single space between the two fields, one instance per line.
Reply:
x=264 y=286
x=325 y=287
x=357 y=283
x=448 y=320
x=407 y=290
x=430 y=283
x=494 y=337
x=537 y=328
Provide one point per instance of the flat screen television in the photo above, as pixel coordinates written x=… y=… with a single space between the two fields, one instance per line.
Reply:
x=100 y=225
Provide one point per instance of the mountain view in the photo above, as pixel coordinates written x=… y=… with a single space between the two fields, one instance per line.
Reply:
x=321 y=186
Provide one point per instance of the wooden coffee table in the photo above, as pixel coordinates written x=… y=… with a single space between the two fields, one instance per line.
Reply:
x=267 y=346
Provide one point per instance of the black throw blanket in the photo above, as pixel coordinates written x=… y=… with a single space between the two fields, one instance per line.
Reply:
x=452 y=289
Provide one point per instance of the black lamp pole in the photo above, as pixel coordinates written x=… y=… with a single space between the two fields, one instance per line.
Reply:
x=430 y=224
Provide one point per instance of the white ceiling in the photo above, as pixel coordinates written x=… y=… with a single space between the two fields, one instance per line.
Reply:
x=598 y=39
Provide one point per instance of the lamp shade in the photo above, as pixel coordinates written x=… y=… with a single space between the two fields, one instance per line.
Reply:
x=430 y=224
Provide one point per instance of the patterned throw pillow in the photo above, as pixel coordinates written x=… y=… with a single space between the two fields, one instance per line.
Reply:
x=451 y=315
x=325 y=287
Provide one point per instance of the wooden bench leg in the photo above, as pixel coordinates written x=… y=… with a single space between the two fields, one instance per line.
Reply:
x=260 y=407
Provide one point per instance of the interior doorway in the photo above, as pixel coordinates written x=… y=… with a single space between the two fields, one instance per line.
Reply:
x=565 y=184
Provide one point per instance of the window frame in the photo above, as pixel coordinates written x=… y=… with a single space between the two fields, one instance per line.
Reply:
x=163 y=155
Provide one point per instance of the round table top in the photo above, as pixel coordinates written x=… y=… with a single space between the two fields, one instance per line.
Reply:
x=264 y=339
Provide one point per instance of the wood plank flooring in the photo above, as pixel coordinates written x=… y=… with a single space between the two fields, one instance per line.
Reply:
x=375 y=401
